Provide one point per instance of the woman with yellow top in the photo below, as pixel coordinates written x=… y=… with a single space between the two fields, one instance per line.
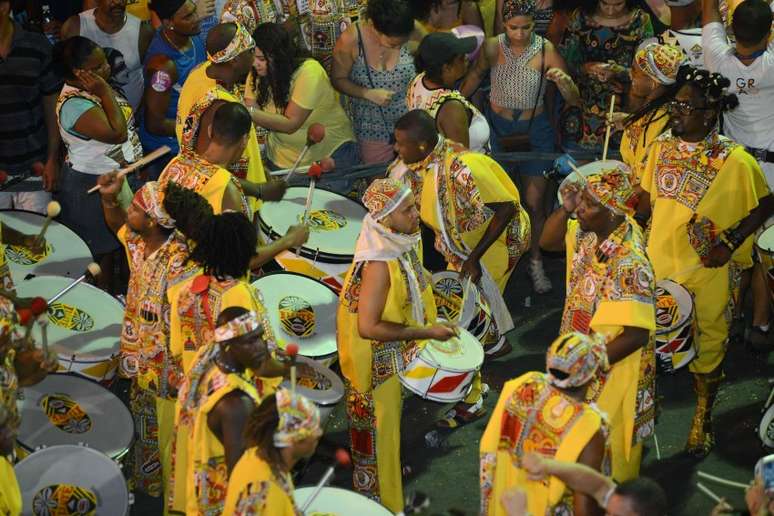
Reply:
x=610 y=293
x=226 y=381
x=225 y=252
x=653 y=77
x=385 y=307
x=289 y=91
x=704 y=196
x=445 y=15
x=10 y=494
x=481 y=229
x=281 y=431
x=547 y=413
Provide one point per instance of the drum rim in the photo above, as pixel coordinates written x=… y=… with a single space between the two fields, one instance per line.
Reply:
x=690 y=316
x=450 y=369
x=298 y=489
x=761 y=431
x=757 y=239
x=332 y=377
x=118 y=456
x=336 y=295
x=308 y=252
x=4 y=210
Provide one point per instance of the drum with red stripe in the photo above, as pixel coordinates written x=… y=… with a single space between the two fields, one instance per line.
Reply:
x=443 y=371
x=674 y=326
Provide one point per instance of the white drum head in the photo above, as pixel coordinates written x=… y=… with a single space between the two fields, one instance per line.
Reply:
x=47 y=478
x=317 y=382
x=280 y=287
x=85 y=322
x=674 y=306
x=765 y=240
x=341 y=502
x=766 y=427
x=335 y=222
x=458 y=354
x=66 y=253
x=66 y=409
x=589 y=169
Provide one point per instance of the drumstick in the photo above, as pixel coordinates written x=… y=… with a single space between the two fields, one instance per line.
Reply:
x=291 y=351
x=43 y=323
x=314 y=173
x=609 y=125
x=704 y=489
x=342 y=459
x=92 y=270
x=465 y=292
x=315 y=134
x=53 y=209
x=285 y=171
x=137 y=164
x=722 y=481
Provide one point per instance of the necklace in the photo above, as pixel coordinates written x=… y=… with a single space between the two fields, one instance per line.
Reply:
x=189 y=54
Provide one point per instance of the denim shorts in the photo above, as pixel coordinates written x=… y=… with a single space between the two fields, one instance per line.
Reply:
x=541 y=138
x=347 y=155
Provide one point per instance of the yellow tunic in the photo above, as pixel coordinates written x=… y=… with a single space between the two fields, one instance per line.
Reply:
x=370 y=369
x=6 y=279
x=193 y=316
x=696 y=192
x=197 y=94
x=254 y=489
x=637 y=136
x=466 y=182
x=200 y=476
x=610 y=286
x=531 y=415
x=191 y=171
x=10 y=495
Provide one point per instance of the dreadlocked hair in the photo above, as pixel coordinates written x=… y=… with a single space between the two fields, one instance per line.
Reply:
x=259 y=432
x=225 y=244
x=188 y=208
x=712 y=85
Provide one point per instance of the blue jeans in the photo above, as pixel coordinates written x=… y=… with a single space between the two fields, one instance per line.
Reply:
x=541 y=138
x=347 y=155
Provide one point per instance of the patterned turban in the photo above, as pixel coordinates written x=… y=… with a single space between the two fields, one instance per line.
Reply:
x=383 y=196
x=578 y=356
x=660 y=62
x=242 y=42
x=150 y=199
x=513 y=8
x=299 y=418
x=237 y=327
x=612 y=189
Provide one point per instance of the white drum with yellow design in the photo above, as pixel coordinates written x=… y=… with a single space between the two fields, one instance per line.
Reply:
x=764 y=247
x=68 y=479
x=589 y=169
x=335 y=222
x=320 y=384
x=448 y=290
x=443 y=371
x=675 y=346
x=66 y=254
x=301 y=310
x=84 y=326
x=338 y=502
x=67 y=409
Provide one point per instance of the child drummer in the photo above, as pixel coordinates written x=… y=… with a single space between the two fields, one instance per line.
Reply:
x=386 y=306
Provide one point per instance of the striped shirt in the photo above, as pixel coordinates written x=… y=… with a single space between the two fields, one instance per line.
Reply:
x=26 y=76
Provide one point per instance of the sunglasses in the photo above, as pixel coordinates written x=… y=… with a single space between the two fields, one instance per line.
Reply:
x=683 y=107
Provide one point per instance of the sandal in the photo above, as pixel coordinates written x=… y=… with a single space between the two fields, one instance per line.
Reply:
x=540 y=281
x=463 y=413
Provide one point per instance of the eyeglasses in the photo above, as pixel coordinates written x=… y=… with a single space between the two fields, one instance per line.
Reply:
x=683 y=107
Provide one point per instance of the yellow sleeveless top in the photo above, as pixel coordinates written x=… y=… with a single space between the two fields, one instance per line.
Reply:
x=254 y=489
x=10 y=495
x=361 y=365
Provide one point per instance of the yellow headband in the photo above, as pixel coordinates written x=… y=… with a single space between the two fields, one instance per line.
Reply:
x=242 y=42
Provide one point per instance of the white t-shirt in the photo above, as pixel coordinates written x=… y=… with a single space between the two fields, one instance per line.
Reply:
x=752 y=122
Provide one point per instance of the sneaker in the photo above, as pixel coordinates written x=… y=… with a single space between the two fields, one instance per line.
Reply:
x=540 y=281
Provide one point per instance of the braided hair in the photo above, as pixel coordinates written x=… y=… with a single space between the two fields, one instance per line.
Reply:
x=225 y=243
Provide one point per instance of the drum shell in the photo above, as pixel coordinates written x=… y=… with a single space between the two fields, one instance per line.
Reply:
x=672 y=361
x=339 y=501
x=434 y=383
x=325 y=399
x=764 y=248
x=766 y=427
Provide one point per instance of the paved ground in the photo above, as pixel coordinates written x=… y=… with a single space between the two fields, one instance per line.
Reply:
x=450 y=475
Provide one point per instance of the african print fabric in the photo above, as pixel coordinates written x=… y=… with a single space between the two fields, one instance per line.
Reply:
x=256 y=489
x=531 y=415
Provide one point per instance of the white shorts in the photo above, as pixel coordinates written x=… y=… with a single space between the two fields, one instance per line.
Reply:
x=30 y=201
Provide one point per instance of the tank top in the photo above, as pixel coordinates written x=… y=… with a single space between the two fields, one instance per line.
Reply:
x=125 y=56
x=515 y=83
x=421 y=97
x=184 y=63
x=369 y=121
x=90 y=156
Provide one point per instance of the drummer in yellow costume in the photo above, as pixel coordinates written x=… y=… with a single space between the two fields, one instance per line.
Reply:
x=219 y=392
x=482 y=230
x=546 y=413
x=284 y=429
x=10 y=494
x=653 y=72
x=610 y=293
x=229 y=60
x=385 y=307
x=705 y=195
x=157 y=256
x=9 y=236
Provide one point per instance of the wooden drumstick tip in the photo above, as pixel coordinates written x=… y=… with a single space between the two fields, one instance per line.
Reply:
x=53 y=209
x=94 y=269
x=291 y=350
